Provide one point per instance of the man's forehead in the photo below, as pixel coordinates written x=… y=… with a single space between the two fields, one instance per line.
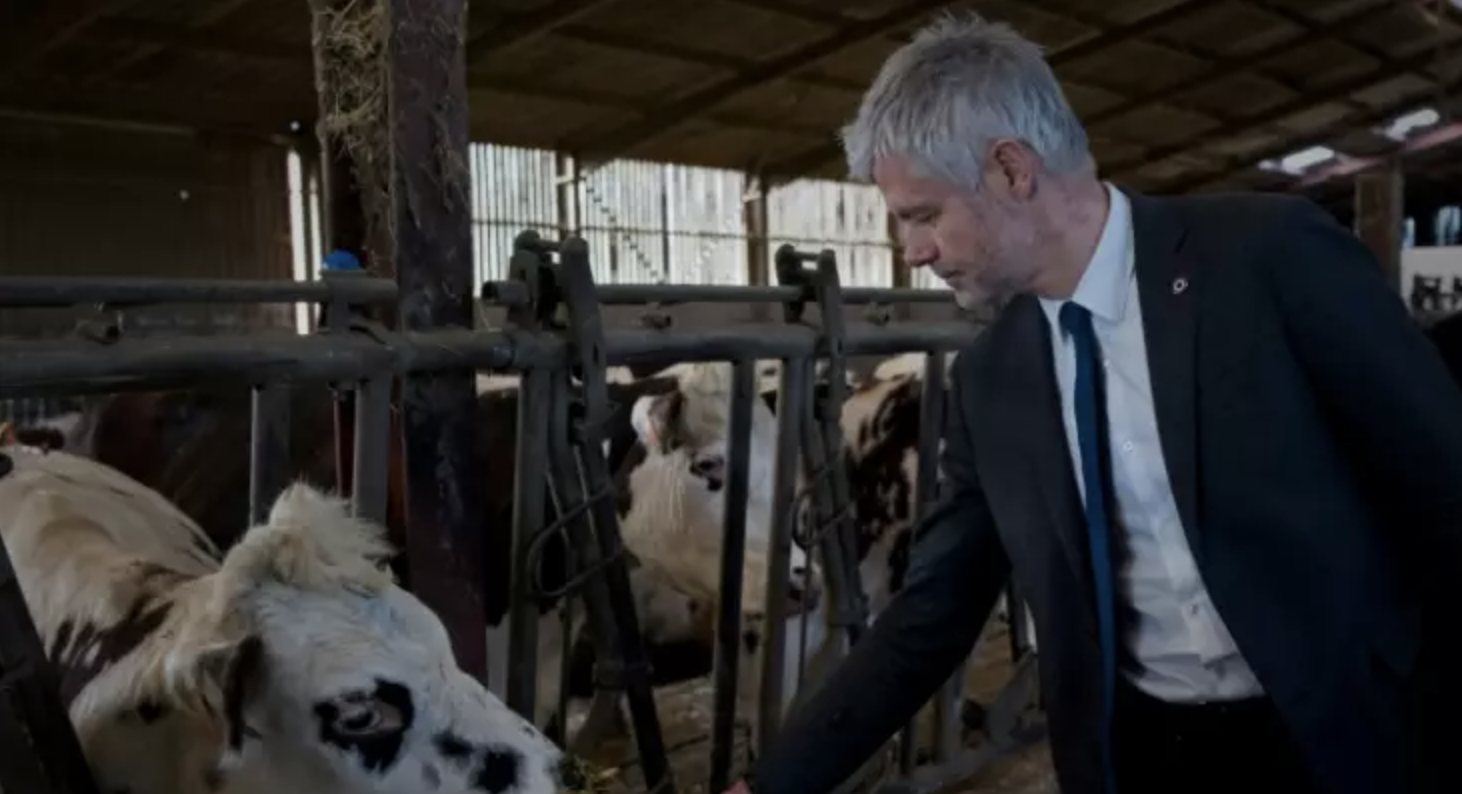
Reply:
x=905 y=189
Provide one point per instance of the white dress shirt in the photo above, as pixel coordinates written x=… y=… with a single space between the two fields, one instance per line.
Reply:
x=1183 y=650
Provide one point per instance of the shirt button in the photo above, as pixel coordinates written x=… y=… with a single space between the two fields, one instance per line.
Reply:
x=1127 y=446
x=1193 y=610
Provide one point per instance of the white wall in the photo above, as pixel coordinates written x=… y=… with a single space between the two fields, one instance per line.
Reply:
x=1444 y=262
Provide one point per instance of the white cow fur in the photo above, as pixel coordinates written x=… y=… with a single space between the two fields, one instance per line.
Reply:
x=704 y=413
x=90 y=543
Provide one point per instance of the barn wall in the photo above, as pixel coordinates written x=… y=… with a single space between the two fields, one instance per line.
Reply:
x=84 y=200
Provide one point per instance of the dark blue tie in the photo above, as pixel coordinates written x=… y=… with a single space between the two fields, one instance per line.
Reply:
x=1096 y=477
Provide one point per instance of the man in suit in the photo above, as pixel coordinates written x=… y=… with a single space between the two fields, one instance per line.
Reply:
x=1222 y=462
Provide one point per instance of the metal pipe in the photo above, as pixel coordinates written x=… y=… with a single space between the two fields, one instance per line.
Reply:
x=372 y=454
x=529 y=493
x=269 y=458
x=932 y=401
x=733 y=557
x=791 y=391
x=60 y=291
x=76 y=366
x=658 y=348
x=511 y=293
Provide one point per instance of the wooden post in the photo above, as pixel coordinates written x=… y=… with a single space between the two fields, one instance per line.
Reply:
x=754 y=225
x=392 y=83
x=429 y=216
x=1380 y=217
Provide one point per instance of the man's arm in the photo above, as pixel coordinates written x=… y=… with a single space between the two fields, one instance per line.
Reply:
x=1395 y=402
x=957 y=567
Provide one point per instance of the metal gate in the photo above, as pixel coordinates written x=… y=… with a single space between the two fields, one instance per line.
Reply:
x=558 y=342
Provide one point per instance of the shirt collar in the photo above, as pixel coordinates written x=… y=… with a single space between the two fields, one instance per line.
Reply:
x=1103 y=289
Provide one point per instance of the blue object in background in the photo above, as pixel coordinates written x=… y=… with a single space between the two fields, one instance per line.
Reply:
x=341 y=260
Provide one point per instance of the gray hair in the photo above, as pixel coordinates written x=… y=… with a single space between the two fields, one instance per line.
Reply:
x=961 y=83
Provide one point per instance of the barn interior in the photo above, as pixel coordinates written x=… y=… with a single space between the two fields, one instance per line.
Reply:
x=167 y=139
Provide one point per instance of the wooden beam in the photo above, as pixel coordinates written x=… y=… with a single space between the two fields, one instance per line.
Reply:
x=1380 y=115
x=126 y=104
x=1444 y=135
x=1380 y=217
x=816 y=158
x=184 y=40
x=515 y=31
x=411 y=162
x=1420 y=61
x=57 y=22
x=1224 y=68
x=680 y=112
x=430 y=230
x=206 y=15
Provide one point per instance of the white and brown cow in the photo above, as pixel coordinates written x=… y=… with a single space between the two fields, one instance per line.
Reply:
x=293 y=663
x=879 y=423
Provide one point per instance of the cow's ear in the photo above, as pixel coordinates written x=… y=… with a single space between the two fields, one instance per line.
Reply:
x=656 y=420
x=218 y=676
x=312 y=542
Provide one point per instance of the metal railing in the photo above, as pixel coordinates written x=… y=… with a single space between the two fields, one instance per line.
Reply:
x=562 y=411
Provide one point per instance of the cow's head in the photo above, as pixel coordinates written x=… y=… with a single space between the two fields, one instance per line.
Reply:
x=300 y=666
x=692 y=423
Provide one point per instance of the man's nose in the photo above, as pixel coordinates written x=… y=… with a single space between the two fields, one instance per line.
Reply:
x=919 y=254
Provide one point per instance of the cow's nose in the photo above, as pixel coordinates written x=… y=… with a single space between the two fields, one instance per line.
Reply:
x=568 y=774
x=802 y=600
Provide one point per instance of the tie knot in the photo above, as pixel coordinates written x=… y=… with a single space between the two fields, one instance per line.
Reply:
x=1075 y=319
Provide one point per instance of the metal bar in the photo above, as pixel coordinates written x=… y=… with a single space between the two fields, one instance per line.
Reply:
x=630 y=347
x=733 y=557
x=372 y=453
x=268 y=448
x=529 y=494
x=61 y=291
x=792 y=391
x=619 y=624
x=77 y=366
x=932 y=398
x=508 y=293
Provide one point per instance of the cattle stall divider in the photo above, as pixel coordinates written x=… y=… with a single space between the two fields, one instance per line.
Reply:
x=559 y=437
x=809 y=428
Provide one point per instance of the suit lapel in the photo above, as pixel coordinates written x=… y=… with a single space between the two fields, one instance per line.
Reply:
x=1034 y=397
x=1168 y=286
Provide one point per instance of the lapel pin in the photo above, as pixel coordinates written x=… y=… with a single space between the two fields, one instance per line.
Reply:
x=1180 y=285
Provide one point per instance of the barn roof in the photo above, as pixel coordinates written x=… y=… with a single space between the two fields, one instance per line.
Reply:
x=1178 y=95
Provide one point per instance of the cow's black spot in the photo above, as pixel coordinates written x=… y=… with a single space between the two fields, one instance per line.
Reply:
x=379 y=751
x=150 y=711
x=499 y=770
x=243 y=674
x=81 y=651
x=452 y=747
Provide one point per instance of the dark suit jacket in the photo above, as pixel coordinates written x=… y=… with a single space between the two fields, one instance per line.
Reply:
x=1314 y=441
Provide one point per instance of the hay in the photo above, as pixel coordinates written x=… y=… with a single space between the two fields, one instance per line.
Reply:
x=354 y=43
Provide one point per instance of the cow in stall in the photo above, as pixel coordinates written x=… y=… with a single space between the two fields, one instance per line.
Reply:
x=193 y=446
x=879 y=423
x=291 y=663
